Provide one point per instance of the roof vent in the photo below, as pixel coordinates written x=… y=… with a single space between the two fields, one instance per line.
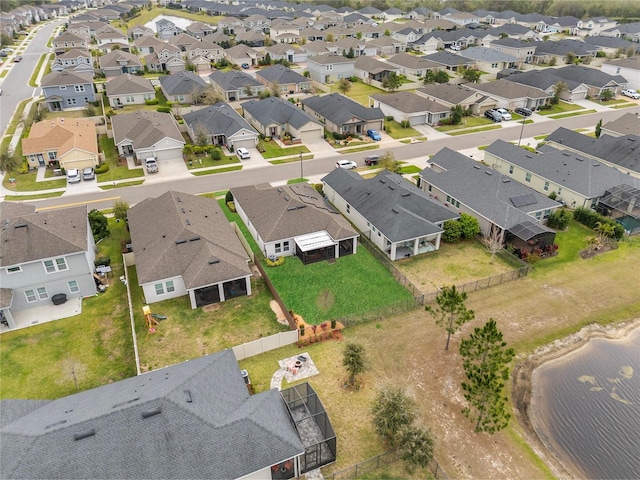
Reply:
x=391 y=187
x=152 y=413
x=61 y=422
x=528 y=156
x=506 y=180
x=488 y=172
x=477 y=167
x=286 y=197
x=194 y=239
x=213 y=261
x=291 y=208
x=579 y=159
x=81 y=435
x=180 y=242
x=182 y=210
x=178 y=199
x=20 y=225
x=406 y=194
x=279 y=189
x=394 y=210
x=566 y=154
x=189 y=397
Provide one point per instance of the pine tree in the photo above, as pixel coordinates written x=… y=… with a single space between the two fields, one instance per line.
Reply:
x=451 y=311
x=485 y=362
x=354 y=360
x=392 y=412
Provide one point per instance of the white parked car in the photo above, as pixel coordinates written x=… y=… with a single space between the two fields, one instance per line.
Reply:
x=243 y=153
x=631 y=94
x=73 y=175
x=504 y=113
x=348 y=164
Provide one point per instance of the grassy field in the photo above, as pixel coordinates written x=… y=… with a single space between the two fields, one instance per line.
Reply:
x=322 y=291
x=37 y=196
x=117 y=171
x=359 y=92
x=147 y=15
x=273 y=150
x=572 y=114
x=475 y=130
x=98 y=342
x=394 y=130
x=217 y=170
x=561 y=107
x=203 y=161
x=467 y=122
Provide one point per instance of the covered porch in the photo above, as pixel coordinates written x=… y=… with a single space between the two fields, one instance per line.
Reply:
x=416 y=246
x=37 y=315
x=622 y=203
x=219 y=292
x=316 y=247
x=530 y=237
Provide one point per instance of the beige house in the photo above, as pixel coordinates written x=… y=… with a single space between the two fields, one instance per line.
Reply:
x=127 y=89
x=70 y=142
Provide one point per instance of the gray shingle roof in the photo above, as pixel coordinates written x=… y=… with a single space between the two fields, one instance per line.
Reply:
x=373 y=66
x=409 y=102
x=158 y=227
x=330 y=59
x=182 y=83
x=282 y=75
x=218 y=119
x=486 y=54
x=608 y=42
x=506 y=89
x=270 y=210
x=399 y=209
x=514 y=43
x=66 y=77
x=27 y=236
x=276 y=110
x=454 y=94
x=128 y=84
x=192 y=420
x=562 y=47
x=413 y=62
x=339 y=109
x=449 y=59
x=626 y=124
x=588 y=177
x=145 y=128
x=483 y=189
x=232 y=80
x=542 y=79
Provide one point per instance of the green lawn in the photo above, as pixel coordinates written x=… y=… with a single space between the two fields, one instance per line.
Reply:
x=364 y=148
x=117 y=171
x=467 y=122
x=475 y=130
x=32 y=80
x=409 y=169
x=394 y=130
x=572 y=114
x=204 y=160
x=290 y=160
x=211 y=171
x=147 y=15
x=273 y=150
x=132 y=183
x=37 y=196
x=570 y=242
x=359 y=92
x=97 y=342
x=561 y=107
x=321 y=291
x=11 y=128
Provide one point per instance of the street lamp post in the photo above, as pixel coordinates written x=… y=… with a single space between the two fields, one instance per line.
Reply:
x=522 y=129
x=301 y=172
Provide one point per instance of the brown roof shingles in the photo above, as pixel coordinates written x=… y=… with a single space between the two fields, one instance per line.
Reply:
x=62 y=135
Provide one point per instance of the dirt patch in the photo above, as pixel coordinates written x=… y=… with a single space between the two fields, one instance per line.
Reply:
x=325 y=300
x=592 y=252
x=279 y=313
x=212 y=307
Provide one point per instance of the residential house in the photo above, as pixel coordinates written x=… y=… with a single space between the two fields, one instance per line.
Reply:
x=273 y=117
x=451 y=95
x=284 y=79
x=395 y=215
x=109 y=35
x=627 y=124
x=145 y=134
x=316 y=47
x=127 y=89
x=165 y=58
x=230 y=24
x=284 y=51
x=489 y=60
x=413 y=67
x=118 y=62
x=257 y=22
x=339 y=32
x=330 y=67
x=286 y=37
x=368 y=68
x=418 y=13
x=294 y=220
x=561 y=50
x=523 y=51
x=184 y=245
x=147 y=44
x=242 y=54
x=140 y=31
x=76 y=60
x=386 y=46
x=69 y=143
x=504 y=208
x=392 y=14
x=612 y=46
x=203 y=405
x=182 y=41
x=462 y=18
x=408 y=36
x=619 y=152
x=597 y=81
x=576 y=180
x=343 y=115
x=68 y=90
x=252 y=38
x=628 y=68
x=451 y=61
x=355 y=47
x=511 y=95
x=281 y=26
x=66 y=41
x=590 y=27
x=515 y=32
x=221 y=125
x=371 y=12
x=200 y=30
x=166 y=29
x=183 y=87
x=209 y=50
x=408 y=106
x=43 y=254
x=369 y=31
x=628 y=31
x=235 y=85
x=546 y=81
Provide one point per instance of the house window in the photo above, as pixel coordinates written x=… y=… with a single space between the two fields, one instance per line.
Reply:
x=527 y=178
x=348 y=208
x=71 y=101
x=494 y=65
x=159 y=289
x=329 y=67
x=368 y=224
x=179 y=98
x=73 y=286
x=510 y=168
x=546 y=186
x=538 y=215
x=63 y=87
x=129 y=99
x=53 y=155
x=79 y=88
x=278 y=247
x=14 y=269
x=546 y=213
x=448 y=198
x=559 y=190
x=429 y=188
x=170 y=286
x=31 y=296
x=42 y=293
x=57 y=265
x=285 y=246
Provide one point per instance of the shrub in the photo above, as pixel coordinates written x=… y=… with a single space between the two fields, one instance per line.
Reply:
x=275 y=263
x=216 y=154
x=553 y=195
x=228 y=197
x=153 y=101
x=405 y=124
x=452 y=231
x=339 y=136
x=102 y=168
x=590 y=218
x=24 y=167
x=469 y=226
x=89 y=111
x=528 y=148
x=546 y=106
x=102 y=261
x=232 y=206
x=319 y=188
x=559 y=219
x=389 y=118
x=164 y=109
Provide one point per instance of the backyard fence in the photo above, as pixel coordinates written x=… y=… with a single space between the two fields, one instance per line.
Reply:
x=264 y=344
x=276 y=297
x=243 y=241
x=379 y=461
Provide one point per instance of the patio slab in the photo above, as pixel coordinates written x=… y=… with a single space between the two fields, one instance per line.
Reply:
x=45 y=313
x=290 y=370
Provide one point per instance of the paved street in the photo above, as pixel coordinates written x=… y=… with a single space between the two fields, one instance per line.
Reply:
x=15 y=86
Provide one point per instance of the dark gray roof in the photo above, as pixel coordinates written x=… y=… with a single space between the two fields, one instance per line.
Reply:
x=623 y=151
x=528 y=230
x=282 y=75
x=182 y=83
x=372 y=65
x=192 y=420
x=128 y=84
x=339 y=109
x=448 y=92
x=608 y=42
x=449 y=59
x=66 y=77
x=506 y=89
x=413 y=62
x=232 y=80
x=588 y=177
x=218 y=119
x=396 y=207
x=289 y=211
x=514 y=43
x=628 y=123
x=542 y=79
x=483 y=189
x=145 y=128
x=27 y=236
x=276 y=110
x=626 y=28
x=486 y=54
x=588 y=76
x=409 y=102
x=178 y=234
x=562 y=47
x=510 y=29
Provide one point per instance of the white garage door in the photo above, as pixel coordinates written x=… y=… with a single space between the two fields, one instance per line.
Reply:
x=246 y=143
x=417 y=120
x=310 y=136
x=169 y=154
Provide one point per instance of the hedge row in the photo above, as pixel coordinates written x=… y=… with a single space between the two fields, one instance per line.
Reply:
x=590 y=218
